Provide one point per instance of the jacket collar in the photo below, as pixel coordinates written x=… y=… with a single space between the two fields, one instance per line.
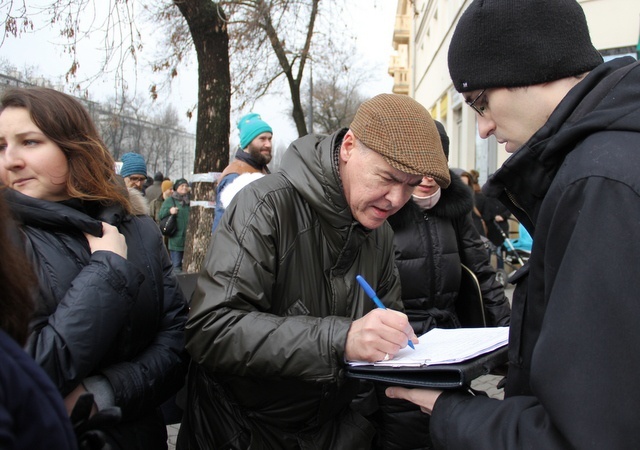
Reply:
x=310 y=165
x=59 y=216
x=246 y=157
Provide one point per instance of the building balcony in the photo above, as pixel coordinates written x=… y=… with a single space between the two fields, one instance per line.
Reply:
x=400 y=80
x=402 y=30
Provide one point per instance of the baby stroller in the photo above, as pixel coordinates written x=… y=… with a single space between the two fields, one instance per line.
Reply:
x=513 y=254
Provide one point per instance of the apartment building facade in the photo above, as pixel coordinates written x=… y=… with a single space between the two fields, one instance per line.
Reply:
x=421 y=38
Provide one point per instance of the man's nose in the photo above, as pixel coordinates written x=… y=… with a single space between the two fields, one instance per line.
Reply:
x=486 y=127
x=399 y=194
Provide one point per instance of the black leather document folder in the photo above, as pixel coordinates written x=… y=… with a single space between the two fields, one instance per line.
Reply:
x=440 y=376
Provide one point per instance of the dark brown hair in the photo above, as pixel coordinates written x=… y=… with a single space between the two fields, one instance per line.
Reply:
x=66 y=122
x=16 y=279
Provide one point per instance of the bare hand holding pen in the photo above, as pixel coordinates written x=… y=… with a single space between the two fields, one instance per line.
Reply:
x=378 y=335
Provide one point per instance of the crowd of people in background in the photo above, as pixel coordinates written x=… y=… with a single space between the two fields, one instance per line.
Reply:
x=162 y=198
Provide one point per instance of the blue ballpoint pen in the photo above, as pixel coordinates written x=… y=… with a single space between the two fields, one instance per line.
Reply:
x=371 y=293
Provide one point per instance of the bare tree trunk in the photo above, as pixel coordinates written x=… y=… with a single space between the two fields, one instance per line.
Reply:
x=207 y=23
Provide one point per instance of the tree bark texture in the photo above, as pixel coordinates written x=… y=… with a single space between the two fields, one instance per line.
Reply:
x=208 y=26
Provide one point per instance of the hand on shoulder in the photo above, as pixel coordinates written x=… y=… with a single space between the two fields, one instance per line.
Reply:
x=112 y=240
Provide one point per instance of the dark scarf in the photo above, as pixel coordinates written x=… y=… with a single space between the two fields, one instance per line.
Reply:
x=246 y=157
x=182 y=199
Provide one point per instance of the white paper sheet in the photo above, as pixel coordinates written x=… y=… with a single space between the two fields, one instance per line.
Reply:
x=447 y=346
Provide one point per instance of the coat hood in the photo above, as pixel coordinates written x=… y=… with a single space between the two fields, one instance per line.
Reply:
x=139 y=204
x=310 y=165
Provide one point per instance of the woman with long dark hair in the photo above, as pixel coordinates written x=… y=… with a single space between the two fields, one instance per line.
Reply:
x=109 y=315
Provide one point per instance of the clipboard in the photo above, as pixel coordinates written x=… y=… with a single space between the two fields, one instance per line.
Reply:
x=440 y=376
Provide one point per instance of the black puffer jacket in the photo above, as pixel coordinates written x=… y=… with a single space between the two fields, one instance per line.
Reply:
x=109 y=322
x=573 y=367
x=430 y=246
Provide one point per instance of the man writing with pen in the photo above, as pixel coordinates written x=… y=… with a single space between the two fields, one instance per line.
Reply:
x=277 y=309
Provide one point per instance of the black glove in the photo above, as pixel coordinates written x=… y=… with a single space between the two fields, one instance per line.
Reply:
x=89 y=430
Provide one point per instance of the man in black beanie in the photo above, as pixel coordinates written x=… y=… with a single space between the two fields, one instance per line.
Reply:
x=572 y=122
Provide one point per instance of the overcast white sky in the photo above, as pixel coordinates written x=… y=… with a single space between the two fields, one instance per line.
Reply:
x=372 y=20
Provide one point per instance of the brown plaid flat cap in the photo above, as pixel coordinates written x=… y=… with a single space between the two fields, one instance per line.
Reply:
x=403 y=132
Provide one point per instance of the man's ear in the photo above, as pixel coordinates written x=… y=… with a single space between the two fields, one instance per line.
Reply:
x=348 y=146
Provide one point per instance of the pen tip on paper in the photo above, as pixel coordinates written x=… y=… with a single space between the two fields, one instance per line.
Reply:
x=411 y=345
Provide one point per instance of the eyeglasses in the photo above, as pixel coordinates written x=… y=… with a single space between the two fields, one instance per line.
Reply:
x=135 y=179
x=478 y=109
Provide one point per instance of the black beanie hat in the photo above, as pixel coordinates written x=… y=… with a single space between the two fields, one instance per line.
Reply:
x=514 y=43
x=179 y=182
x=444 y=138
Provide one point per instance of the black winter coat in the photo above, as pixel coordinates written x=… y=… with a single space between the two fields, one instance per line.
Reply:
x=116 y=322
x=430 y=246
x=573 y=367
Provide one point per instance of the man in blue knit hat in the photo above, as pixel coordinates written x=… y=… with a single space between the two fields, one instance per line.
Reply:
x=134 y=170
x=252 y=157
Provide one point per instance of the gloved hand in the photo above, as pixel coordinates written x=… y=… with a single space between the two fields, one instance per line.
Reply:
x=89 y=430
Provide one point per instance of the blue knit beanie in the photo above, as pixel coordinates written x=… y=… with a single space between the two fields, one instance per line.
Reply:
x=251 y=126
x=133 y=164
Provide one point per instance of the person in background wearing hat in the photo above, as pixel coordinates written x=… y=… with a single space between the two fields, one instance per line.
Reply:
x=434 y=234
x=252 y=157
x=277 y=309
x=572 y=124
x=166 y=189
x=156 y=204
x=155 y=189
x=134 y=171
x=177 y=203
